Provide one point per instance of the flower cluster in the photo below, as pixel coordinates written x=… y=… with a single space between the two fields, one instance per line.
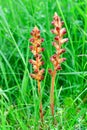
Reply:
x=56 y=59
x=58 y=41
x=36 y=49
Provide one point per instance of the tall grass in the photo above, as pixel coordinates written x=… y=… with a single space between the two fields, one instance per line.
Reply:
x=19 y=100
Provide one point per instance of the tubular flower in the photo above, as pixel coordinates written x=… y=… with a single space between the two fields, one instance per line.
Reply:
x=36 y=49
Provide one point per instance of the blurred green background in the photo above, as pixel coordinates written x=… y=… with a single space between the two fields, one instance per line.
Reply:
x=18 y=92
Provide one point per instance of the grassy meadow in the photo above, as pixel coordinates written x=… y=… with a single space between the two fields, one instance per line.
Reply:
x=19 y=101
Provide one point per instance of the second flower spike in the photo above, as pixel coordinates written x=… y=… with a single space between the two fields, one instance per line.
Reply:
x=37 y=62
x=36 y=49
x=56 y=59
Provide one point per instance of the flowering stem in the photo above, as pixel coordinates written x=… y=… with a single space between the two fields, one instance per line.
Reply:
x=40 y=107
x=36 y=49
x=52 y=93
x=56 y=58
x=38 y=87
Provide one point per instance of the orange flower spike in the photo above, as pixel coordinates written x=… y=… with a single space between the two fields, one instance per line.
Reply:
x=36 y=49
x=59 y=32
x=56 y=59
x=36 y=41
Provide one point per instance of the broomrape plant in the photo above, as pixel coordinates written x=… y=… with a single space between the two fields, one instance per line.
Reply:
x=56 y=59
x=36 y=49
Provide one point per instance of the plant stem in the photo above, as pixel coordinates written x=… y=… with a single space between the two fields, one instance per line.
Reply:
x=40 y=96
x=52 y=93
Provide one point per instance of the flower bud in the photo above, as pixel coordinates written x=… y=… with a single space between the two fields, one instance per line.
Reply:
x=35 y=67
x=32 y=61
x=31 y=33
x=57 y=38
x=62 y=22
x=57 y=28
x=36 y=70
x=64 y=40
x=43 y=49
x=56 y=45
x=38 y=45
x=54 y=56
x=51 y=59
x=31 y=40
x=31 y=48
x=58 y=67
x=61 y=51
x=41 y=78
x=61 y=60
x=41 y=71
x=42 y=63
x=62 y=31
x=42 y=39
x=50 y=71
x=34 y=52
x=39 y=56
x=52 y=22
x=33 y=76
